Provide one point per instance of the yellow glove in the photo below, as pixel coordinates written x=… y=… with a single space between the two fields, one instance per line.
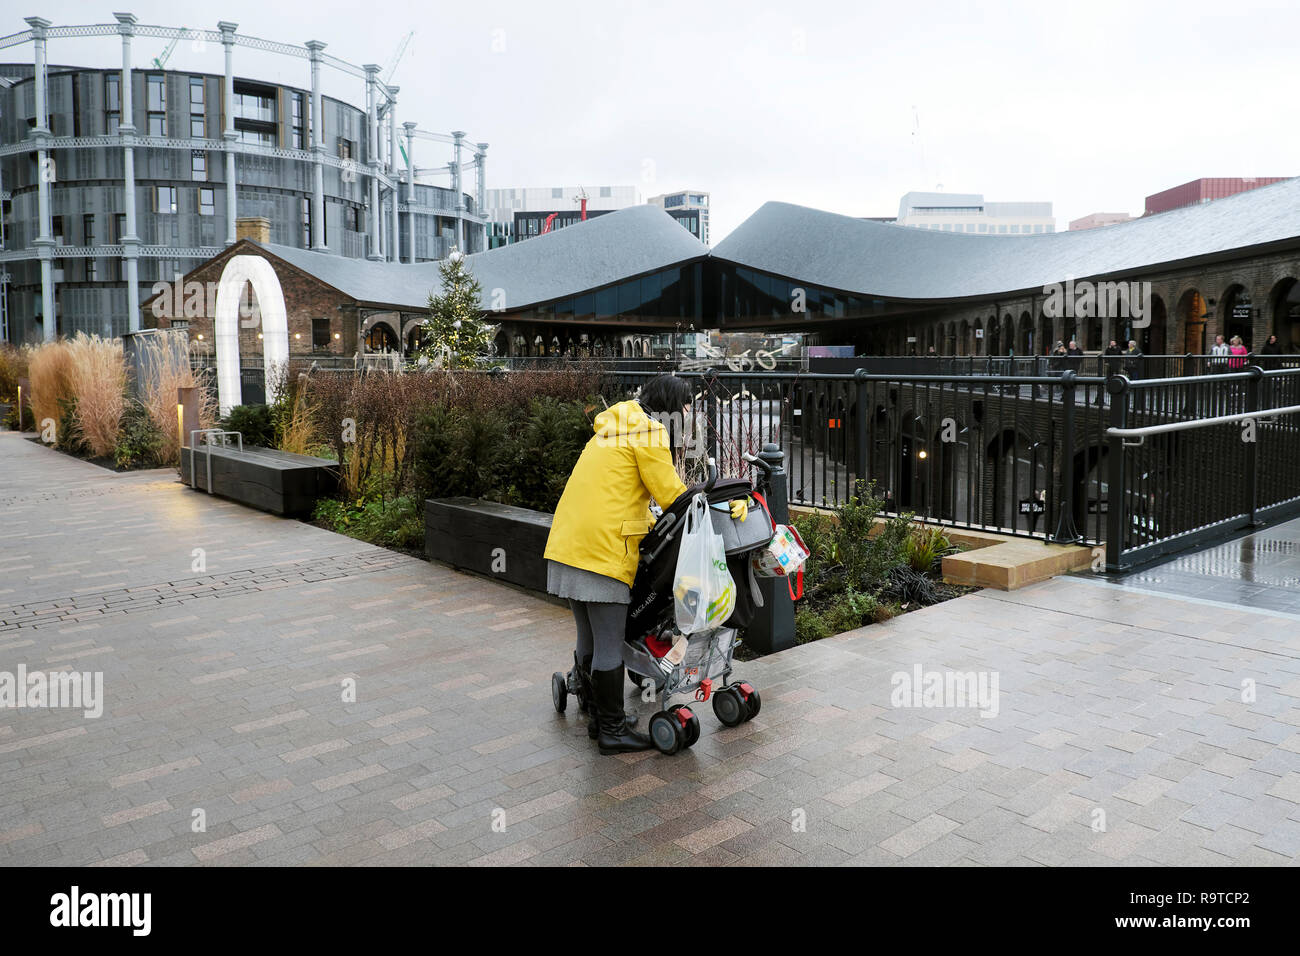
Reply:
x=740 y=509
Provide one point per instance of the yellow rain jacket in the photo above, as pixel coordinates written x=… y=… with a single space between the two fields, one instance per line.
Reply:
x=605 y=509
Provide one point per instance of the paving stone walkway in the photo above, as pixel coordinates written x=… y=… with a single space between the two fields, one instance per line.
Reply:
x=226 y=639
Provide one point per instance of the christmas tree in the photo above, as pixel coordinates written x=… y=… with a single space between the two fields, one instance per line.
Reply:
x=455 y=333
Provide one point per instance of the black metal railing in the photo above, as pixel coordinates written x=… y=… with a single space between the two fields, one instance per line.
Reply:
x=1197 y=460
x=1087 y=365
x=1017 y=455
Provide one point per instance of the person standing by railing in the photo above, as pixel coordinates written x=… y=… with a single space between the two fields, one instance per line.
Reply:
x=1239 y=352
x=1220 y=351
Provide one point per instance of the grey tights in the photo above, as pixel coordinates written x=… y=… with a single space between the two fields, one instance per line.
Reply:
x=600 y=633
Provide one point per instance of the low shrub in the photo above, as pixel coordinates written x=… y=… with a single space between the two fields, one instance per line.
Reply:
x=254 y=422
x=925 y=548
x=139 y=442
x=858 y=572
x=393 y=522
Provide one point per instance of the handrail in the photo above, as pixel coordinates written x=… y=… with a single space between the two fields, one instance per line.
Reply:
x=1141 y=433
x=208 y=433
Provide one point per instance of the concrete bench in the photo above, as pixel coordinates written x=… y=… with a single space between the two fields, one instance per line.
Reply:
x=494 y=540
x=264 y=478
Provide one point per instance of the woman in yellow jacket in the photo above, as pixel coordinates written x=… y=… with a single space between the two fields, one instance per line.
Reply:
x=594 y=545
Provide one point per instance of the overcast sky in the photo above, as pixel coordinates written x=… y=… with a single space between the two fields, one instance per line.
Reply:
x=1091 y=105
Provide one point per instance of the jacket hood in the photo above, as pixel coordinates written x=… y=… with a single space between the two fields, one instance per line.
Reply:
x=625 y=418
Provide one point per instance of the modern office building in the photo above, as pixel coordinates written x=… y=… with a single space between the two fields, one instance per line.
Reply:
x=114 y=180
x=689 y=207
x=1095 y=220
x=968 y=212
x=1204 y=190
x=518 y=213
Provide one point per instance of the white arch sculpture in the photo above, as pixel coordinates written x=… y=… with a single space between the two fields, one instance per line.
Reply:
x=275 y=326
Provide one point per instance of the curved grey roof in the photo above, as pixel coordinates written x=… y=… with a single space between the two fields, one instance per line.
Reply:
x=577 y=258
x=893 y=261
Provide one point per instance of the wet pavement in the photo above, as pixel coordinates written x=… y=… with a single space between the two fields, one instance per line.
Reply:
x=1260 y=571
x=273 y=693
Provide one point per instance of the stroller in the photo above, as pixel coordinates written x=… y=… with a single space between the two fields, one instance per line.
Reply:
x=651 y=630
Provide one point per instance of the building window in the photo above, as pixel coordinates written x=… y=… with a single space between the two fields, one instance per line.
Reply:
x=112 y=103
x=350 y=218
x=255 y=106
x=88 y=238
x=606 y=192
x=156 y=103
x=984 y=227
x=297 y=124
x=346 y=149
x=1002 y=230
x=256 y=136
x=164 y=199
x=320 y=335
x=198 y=126
x=207 y=202
x=557 y=193
x=306 y=222
x=199 y=166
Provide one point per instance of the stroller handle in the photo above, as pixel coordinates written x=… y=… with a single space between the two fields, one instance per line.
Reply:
x=713 y=475
x=758 y=463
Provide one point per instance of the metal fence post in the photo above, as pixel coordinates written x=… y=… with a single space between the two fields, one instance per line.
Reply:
x=1252 y=446
x=860 y=429
x=1116 y=493
x=1066 y=532
x=773 y=626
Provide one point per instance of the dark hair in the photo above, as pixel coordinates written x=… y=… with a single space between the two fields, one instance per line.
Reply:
x=665 y=393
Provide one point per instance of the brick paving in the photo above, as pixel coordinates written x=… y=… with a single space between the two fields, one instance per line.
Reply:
x=303 y=698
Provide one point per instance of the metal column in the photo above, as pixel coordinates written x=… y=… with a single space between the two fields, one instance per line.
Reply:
x=460 y=195
x=45 y=174
x=480 y=193
x=228 y=41
x=318 y=240
x=395 y=245
x=126 y=128
x=372 y=160
x=410 y=189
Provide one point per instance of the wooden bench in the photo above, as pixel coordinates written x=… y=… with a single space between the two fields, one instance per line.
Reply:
x=494 y=540
x=264 y=478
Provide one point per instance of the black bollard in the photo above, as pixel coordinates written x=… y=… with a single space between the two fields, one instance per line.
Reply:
x=773 y=626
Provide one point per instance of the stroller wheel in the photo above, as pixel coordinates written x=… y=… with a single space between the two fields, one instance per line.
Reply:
x=559 y=692
x=666 y=733
x=755 y=704
x=691 y=724
x=729 y=707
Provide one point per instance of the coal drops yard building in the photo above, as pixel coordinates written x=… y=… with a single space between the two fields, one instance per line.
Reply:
x=609 y=285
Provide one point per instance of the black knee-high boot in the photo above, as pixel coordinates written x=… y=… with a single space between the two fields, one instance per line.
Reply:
x=589 y=704
x=616 y=734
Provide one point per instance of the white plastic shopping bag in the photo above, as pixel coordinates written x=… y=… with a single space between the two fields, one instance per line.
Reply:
x=704 y=595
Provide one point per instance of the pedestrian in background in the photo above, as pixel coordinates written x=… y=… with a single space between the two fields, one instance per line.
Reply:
x=1239 y=353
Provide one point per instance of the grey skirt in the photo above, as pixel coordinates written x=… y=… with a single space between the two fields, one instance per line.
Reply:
x=575 y=584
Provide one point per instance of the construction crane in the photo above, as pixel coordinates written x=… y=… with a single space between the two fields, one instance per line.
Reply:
x=392 y=68
x=160 y=61
x=397 y=58
x=582 y=198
